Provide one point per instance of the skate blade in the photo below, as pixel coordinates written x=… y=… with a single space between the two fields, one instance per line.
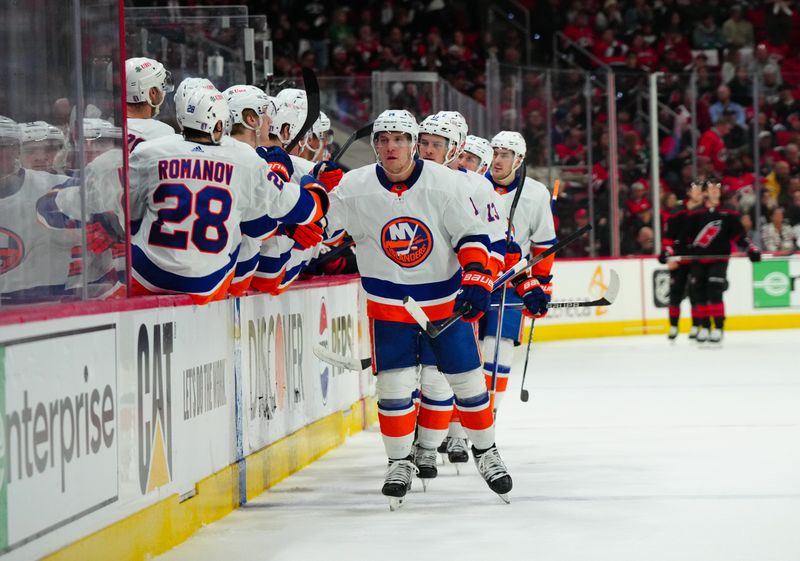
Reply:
x=504 y=498
x=458 y=469
x=425 y=485
x=443 y=457
x=396 y=502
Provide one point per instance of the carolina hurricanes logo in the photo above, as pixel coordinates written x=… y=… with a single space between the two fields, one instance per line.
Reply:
x=406 y=241
x=11 y=250
x=708 y=233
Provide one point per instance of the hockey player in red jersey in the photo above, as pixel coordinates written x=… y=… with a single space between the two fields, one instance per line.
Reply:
x=711 y=231
x=679 y=270
x=416 y=237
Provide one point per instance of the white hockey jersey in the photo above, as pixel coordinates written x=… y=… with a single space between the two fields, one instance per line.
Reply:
x=488 y=204
x=140 y=130
x=192 y=199
x=408 y=236
x=533 y=227
x=34 y=258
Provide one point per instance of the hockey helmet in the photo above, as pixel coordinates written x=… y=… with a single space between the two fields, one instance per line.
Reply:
x=202 y=110
x=481 y=148
x=187 y=85
x=142 y=74
x=395 y=120
x=94 y=129
x=291 y=106
x=510 y=140
x=444 y=126
x=242 y=97
x=460 y=123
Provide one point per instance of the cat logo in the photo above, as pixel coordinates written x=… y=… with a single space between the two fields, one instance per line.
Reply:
x=406 y=241
x=11 y=250
x=708 y=233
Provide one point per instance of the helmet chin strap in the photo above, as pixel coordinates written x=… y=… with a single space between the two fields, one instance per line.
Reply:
x=157 y=107
x=514 y=168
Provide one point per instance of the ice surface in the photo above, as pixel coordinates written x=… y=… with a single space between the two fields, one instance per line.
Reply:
x=629 y=449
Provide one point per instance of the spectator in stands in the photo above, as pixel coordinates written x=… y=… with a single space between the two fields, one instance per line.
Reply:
x=609 y=16
x=707 y=35
x=771 y=84
x=761 y=60
x=741 y=87
x=787 y=105
x=793 y=210
x=571 y=152
x=791 y=154
x=779 y=21
x=724 y=103
x=712 y=145
x=747 y=223
x=635 y=16
x=777 y=235
x=777 y=182
x=340 y=31
x=738 y=31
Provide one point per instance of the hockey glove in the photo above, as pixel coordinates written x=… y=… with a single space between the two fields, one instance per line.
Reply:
x=318 y=192
x=97 y=238
x=753 y=253
x=328 y=173
x=476 y=290
x=278 y=160
x=513 y=254
x=665 y=254
x=535 y=293
x=305 y=235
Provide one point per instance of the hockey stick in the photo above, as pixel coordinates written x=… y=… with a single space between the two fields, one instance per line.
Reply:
x=357 y=135
x=606 y=300
x=523 y=393
x=334 y=359
x=312 y=114
x=499 y=330
x=433 y=330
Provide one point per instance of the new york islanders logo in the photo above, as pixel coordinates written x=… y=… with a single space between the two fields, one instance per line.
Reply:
x=708 y=233
x=11 y=250
x=406 y=241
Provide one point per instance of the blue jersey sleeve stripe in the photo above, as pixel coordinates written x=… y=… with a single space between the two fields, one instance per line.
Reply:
x=481 y=239
x=303 y=210
x=547 y=242
x=178 y=283
x=244 y=267
x=422 y=292
x=268 y=264
x=259 y=227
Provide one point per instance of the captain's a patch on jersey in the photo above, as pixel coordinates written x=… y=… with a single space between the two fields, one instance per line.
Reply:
x=406 y=241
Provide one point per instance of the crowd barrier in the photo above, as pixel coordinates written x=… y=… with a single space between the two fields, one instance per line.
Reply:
x=126 y=429
x=763 y=295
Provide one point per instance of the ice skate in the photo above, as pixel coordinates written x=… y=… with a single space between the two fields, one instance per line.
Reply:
x=693 y=332
x=673 y=332
x=715 y=336
x=702 y=335
x=425 y=461
x=442 y=449
x=398 y=481
x=493 y=471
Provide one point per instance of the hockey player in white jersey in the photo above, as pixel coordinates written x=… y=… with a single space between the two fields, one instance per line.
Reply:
x=194 y=195
x=533 y=232
x=147 y=84
x=477 y=155
x=251 y=114
x=416 y=237
x=34 y=259
x=41 y=143
x=442 y=137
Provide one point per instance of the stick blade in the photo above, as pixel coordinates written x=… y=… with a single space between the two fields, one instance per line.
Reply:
x=613 y=288
x=348 y=363
x=416 y=312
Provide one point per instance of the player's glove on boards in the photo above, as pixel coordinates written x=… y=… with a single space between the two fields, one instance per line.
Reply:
x=535 y=293
x=476 y=290
x=753 y=253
